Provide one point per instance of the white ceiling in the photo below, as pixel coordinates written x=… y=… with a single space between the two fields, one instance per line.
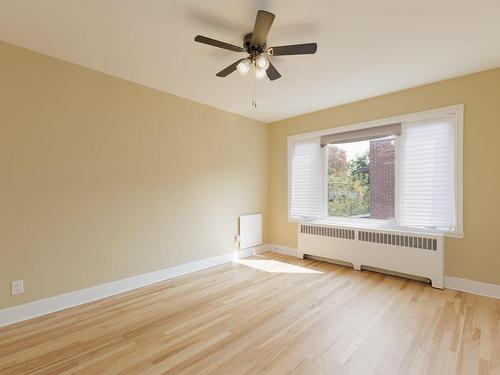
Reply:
x=365 y=48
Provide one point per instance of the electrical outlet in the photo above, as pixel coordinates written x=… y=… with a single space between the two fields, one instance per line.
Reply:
x=16 y=287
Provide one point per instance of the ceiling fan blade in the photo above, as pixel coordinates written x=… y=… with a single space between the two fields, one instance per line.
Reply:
x=262 y=26
x=294 y=49
x=272 y=73
x=231 y=68
x=217 y=43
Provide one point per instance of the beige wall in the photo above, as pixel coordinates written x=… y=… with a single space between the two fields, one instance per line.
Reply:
x=477 y=256
x=102 y=179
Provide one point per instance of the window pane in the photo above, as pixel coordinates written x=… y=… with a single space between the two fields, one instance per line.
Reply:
x=361 y=179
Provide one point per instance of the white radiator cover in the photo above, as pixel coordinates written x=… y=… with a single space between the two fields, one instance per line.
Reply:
x=418 y=254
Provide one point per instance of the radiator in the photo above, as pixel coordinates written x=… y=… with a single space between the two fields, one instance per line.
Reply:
x=250 y=230
x=408 y=253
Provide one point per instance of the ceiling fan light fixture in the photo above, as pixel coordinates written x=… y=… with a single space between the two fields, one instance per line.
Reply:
x=262 y=62
x=260 y=72
x=244 y=66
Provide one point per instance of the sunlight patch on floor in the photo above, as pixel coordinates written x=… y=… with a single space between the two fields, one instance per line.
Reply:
x=274 y=266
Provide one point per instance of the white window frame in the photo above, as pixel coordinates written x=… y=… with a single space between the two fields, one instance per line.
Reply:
x=454 y=110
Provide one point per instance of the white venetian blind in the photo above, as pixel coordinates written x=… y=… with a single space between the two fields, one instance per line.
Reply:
x=305 y=179
x=428 y=174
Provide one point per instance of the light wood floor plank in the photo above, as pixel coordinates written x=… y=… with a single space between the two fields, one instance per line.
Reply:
x=269 y=314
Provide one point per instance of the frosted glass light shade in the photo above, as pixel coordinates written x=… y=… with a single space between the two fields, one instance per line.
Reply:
x=244 y=66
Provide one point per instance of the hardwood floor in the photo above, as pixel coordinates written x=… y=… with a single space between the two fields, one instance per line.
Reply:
x=270 y=314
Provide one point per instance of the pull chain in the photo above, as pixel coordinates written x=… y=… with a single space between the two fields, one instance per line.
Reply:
x=254 y=86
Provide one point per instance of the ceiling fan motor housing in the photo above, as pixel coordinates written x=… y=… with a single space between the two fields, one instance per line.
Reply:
x=252 y=50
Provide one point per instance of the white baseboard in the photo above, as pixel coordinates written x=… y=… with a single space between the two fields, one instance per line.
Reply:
x=472 y=286
x=253 y=251
x=280 y=249
x=63 y=301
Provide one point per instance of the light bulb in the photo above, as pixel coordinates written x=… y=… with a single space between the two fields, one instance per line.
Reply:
x=260 y=72
x=244 y=66
x=262 y=62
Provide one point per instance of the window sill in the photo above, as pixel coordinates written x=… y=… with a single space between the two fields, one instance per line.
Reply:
x=376 y=224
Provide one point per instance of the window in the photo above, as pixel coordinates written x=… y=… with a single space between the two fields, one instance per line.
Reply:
x=401 y=172
x=361 y=178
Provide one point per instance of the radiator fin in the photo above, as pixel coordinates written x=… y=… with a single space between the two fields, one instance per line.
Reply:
x=348 y=234
x=399 y=240
x=404 y=240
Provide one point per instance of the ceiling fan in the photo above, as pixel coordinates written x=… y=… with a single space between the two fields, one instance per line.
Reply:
x=255 y=45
